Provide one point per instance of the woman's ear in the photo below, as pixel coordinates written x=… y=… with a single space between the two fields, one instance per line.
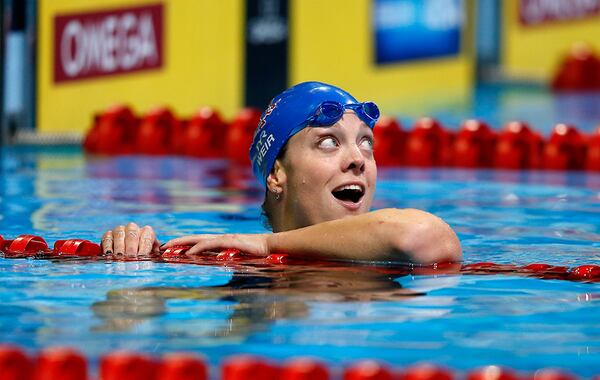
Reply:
x=277 y=178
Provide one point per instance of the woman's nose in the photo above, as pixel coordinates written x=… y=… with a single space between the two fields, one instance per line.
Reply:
x=355 y=160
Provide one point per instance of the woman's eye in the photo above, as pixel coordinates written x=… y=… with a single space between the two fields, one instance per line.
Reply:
x=367 y=143
x=328 y=142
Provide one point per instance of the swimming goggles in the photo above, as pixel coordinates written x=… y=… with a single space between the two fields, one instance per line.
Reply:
x=329 y=112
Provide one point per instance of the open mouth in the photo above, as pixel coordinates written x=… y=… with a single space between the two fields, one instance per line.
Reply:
x=349 y=193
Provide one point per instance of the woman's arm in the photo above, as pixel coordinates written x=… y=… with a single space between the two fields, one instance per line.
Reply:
x=396 y=235
x=406 y=235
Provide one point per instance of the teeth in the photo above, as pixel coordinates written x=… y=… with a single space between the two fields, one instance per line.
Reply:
x=349 y=187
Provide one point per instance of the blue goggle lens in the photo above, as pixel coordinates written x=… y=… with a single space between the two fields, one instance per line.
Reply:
x=329 y=113
x=371 y=110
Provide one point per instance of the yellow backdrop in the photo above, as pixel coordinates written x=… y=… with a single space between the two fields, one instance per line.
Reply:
x=202 y=65
x=204 y=62
x=333 y=42
x=535 y=51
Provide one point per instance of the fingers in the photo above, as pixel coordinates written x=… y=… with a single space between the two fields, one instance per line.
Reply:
x=253 y=244
x=199 y=243
x=156 y=248
x=132 y=239
x=107 y=243
x=203 y=243
x=207 y=244
x=216 y=242
x=186 y=240
x=147 y=242
x=119 y=240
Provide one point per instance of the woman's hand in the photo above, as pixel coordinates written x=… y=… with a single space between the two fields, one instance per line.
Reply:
x=130 y=240
x=252 y=244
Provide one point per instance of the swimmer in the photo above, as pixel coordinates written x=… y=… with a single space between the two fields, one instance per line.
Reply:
x=313 y=153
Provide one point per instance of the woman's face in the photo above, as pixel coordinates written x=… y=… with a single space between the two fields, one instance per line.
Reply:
x=330 y=172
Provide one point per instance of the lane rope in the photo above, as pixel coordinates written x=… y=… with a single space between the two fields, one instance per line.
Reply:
x=35 y=246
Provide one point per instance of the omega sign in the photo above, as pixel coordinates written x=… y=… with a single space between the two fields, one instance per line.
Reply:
x=532 y=12
x=117 y=41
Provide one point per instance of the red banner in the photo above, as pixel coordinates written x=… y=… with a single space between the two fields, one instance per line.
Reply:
x=117 y=41
x=533 y=12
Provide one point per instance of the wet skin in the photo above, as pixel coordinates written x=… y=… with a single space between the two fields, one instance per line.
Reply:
x=318 y=161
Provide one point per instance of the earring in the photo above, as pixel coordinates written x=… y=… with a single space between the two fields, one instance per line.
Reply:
x=277 y=194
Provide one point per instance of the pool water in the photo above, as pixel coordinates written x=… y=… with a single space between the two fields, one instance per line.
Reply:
x=339 y=313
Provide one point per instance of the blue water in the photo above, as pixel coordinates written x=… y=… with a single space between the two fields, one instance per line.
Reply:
x=337 y=313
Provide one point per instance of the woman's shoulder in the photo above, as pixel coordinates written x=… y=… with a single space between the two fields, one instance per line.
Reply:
x=425 y=236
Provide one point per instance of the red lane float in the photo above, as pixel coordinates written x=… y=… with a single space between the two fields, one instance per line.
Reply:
x=240 y=135
x=474 y=145
x=76 y=247
x=592 y=161
x=24 y=246
x=14 y=364
x=579 y=71
x=428 y=144
x=389 y=142
x=4 y=243
x=182 y=366
x=304 y=369
x=518 y=147
x=426 y=372
x=32 y=245
x=545 y=268
x=492 y=372
x=174 y=252
x=157 y=133
x=585 y=272
x=36 y=246
x=113 y=132
x=368 y=370
x=565 y=150
x=127 y=366
x=277 y=258
x=544 y=271
x=204 y=134
x=60 y=363
x=552 y=374
x=230 y=254
x=245 y=367
x=68 y=364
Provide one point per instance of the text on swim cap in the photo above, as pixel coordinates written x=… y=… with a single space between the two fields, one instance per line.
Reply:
x=263 y=145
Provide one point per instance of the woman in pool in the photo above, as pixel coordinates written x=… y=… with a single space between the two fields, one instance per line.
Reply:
x=313 y=151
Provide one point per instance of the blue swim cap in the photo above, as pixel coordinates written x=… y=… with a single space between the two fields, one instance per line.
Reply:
x=295 y=109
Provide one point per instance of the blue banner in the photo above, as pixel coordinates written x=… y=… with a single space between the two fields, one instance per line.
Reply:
x=416 y=29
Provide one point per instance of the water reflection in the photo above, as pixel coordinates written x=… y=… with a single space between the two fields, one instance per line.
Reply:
x=580 y=109
x=173 y=180
x=582 y=179
x=258 y=297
